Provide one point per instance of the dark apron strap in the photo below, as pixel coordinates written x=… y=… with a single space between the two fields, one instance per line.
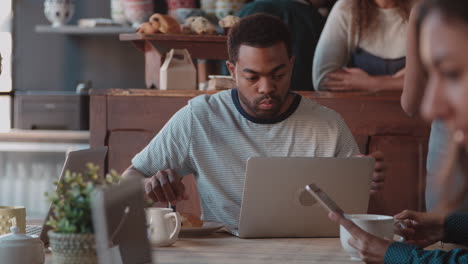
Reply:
x=375 y=65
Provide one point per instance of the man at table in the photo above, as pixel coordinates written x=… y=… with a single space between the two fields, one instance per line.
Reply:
x=214 y=135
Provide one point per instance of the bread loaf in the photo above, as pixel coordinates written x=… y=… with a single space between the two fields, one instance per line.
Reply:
x=165 y=23
x=147 y=28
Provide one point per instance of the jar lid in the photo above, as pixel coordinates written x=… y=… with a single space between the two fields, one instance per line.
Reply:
x=16 y=237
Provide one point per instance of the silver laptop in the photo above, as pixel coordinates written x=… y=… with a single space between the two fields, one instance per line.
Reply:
x=75 y=162
x=120 y=224
x=275 y=203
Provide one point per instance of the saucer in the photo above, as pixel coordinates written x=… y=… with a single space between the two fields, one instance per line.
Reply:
x=207 y=228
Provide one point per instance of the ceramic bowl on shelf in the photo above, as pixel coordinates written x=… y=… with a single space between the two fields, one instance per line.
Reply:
x=59 y=12
x=228 y=7
x=138 y=11
x=118 y=12
x=209 y=6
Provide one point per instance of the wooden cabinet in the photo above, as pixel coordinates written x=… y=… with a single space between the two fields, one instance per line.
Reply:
x=126 y=120
x=51 y=110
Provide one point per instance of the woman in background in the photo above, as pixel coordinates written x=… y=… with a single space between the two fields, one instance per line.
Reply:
x=443 y=33
x=363 y=46
x=413 y=92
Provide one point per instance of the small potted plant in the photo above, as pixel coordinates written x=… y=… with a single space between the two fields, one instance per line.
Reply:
x=72 y=237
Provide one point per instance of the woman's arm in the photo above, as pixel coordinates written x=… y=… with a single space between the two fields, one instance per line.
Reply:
x=422 y=229
x=400 y=253
x=415 y=77
x=456 y=229
x=333 y=48
x=355 y=79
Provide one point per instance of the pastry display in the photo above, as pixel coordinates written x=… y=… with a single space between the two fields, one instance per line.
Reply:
x=159 y=23
x=187 y=26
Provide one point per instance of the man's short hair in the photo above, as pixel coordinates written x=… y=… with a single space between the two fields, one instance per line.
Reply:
x=259 y=31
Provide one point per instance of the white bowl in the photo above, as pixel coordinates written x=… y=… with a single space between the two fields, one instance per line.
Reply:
x=377 y=225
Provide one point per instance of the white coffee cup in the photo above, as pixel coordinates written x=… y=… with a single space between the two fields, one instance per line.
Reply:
x=378 y=225
x=163 y=226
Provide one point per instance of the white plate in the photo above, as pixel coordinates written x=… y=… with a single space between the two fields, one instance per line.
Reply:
x=207 y=228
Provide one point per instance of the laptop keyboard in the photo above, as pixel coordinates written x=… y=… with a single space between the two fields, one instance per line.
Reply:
x=33 y=230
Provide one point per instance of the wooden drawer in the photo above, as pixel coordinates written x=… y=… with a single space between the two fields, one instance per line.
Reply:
x=51 y=111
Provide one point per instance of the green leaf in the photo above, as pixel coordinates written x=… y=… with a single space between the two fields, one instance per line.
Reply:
x=71 y=201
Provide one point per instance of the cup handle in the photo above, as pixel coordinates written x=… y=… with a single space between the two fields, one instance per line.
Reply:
x=177 y=225
x=400 y=224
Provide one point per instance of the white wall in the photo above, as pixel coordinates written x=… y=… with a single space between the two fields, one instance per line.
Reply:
x=28 y=170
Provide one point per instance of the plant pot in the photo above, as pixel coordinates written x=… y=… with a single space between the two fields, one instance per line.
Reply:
x=72 y=248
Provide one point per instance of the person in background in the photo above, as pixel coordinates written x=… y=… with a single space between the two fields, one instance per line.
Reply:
x=442 y=28
x=363 y=46
x=305 y=23
x=214 y=135
x=413 y=92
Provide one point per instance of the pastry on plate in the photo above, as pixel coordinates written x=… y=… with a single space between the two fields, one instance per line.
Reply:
x=190 y=220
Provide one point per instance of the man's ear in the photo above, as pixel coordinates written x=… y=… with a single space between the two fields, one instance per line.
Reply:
x=232 y=69
x=292 y=60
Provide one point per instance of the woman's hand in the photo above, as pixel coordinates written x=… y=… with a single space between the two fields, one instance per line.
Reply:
x=371 y=249
x=348 y=79
x=421 y=229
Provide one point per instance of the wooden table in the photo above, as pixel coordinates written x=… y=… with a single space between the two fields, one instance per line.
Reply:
x=226 y=249
x=155 y=47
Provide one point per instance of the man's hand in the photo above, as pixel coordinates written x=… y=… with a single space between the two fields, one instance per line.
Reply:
x=421 y=229
x=380 y=168
x=371 y=249
x=348 y=79
x=165 y=186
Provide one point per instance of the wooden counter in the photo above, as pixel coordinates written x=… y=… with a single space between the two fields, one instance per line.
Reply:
x=126 y=120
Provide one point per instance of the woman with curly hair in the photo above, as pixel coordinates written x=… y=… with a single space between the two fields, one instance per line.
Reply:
x=363 y=46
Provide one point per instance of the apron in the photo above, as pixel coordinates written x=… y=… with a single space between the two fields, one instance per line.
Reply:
x=374 y=65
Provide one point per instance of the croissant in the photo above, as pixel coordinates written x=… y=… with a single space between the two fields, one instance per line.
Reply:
x=165 y=24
